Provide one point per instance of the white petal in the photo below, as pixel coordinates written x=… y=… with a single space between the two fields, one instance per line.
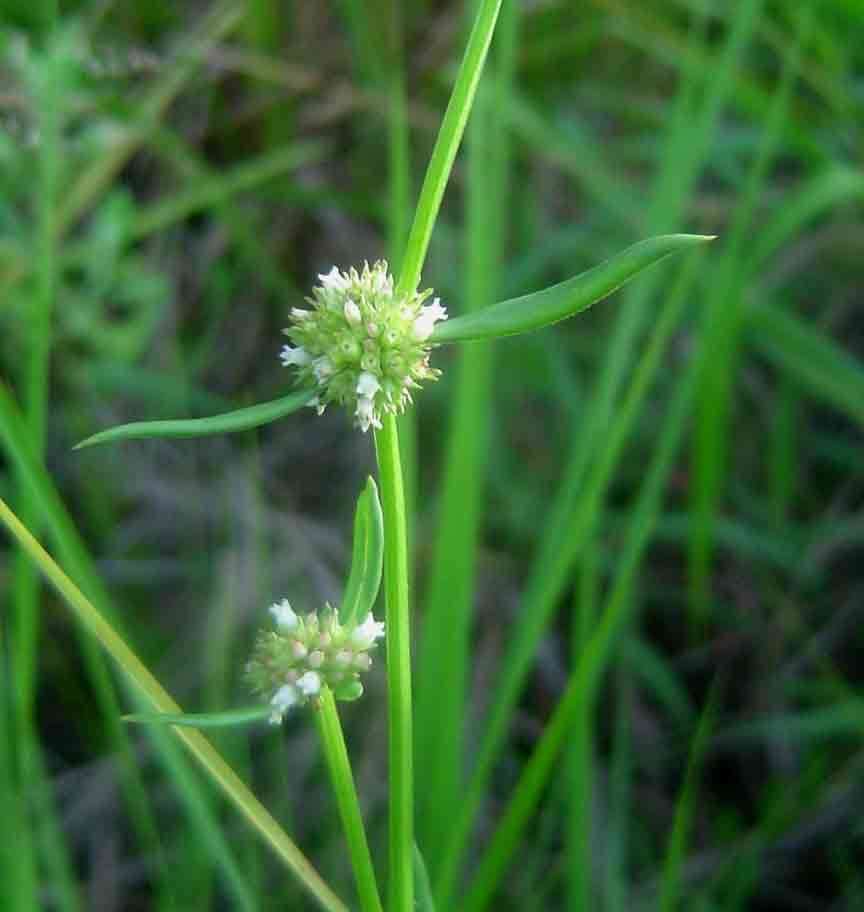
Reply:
x=309 y=684
x=429 y=316
x=334 y=280
x=298 y=356
x=438 y=312
x=365 y=413
x=284 y=698
x=284 y=615
x=365 y=634
x=367 y=385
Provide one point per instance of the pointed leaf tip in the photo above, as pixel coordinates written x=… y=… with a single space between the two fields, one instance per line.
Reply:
x=542 y=308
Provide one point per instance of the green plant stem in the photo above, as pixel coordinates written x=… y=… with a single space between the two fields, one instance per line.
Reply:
x=152 y=692
x=339 y=767
x=401 y=883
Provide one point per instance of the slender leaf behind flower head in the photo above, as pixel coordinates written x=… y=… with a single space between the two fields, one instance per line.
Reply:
x=225 y=719
x=422 y=887
x=542 y=308
x=240 y=420
x=367 y=561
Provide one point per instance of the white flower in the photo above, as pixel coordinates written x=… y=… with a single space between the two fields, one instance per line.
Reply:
x=365 y=634
x=299 y=314
x=429 y=316
x=367 y=385
x=284 y=615
x=334 y=280
x=284 y=698
x=352 y=312
x=316 y=403
x=365 y=414
x=309 y=684
x=298 y=356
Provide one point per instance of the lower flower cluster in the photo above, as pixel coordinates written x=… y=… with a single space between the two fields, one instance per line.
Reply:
x=291 y=664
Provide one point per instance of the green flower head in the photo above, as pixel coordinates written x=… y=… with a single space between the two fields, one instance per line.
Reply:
x=291 y=664
x=362 y=346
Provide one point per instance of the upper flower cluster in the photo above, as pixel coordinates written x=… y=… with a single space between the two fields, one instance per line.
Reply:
x=291 y=664
x=361 y=345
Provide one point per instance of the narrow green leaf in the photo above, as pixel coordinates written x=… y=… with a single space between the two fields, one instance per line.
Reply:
x=423 y=900
x=203 y=720
x=240 y=420
x=809 y=357
x=367 y=560
x=670 y=897
x=358 y=559
x=370 y=583
x=148 y=688
x=533 y=311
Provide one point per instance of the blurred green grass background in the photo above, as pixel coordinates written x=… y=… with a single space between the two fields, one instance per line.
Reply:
x=637 y=537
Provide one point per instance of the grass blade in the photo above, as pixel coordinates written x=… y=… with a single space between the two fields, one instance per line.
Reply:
x=808 y=357
x=425 y=902
x=682 y=824
x=240 y=420
x=542 y=308
x=447 y=144
x=153 y=693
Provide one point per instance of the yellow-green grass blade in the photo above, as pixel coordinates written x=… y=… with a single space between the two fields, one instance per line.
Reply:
x=75 y=556
x=153 y=693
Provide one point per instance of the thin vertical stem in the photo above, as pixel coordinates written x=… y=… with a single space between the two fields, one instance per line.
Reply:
x=401 y=883
x=339 y=766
